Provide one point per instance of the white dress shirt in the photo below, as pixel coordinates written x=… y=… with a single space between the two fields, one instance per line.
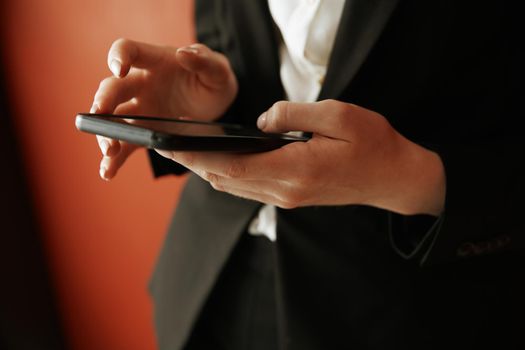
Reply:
x=308 y=29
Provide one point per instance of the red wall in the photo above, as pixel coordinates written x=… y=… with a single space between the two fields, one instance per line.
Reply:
x=101 y=239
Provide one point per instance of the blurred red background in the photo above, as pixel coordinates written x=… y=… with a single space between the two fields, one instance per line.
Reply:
x=101 y=239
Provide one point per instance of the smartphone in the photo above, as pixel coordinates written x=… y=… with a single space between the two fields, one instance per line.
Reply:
x=181 y=134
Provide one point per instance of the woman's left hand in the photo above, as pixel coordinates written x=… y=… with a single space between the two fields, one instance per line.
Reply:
x=354 y=157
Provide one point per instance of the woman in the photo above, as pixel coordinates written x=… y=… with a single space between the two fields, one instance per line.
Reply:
x=396 y=226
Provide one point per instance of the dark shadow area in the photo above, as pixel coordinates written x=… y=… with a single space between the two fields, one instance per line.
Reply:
x=28 y=314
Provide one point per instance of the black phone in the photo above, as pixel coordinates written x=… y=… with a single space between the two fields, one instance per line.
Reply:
x=181 y=134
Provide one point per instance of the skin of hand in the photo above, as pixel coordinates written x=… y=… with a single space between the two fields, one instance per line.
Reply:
x=354 y=157
x=161 y=81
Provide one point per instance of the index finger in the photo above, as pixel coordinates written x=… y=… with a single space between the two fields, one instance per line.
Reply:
x=266 y=165
x=125 y=53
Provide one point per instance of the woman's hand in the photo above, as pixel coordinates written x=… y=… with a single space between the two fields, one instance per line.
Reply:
x=154 y=80
x=354 y=157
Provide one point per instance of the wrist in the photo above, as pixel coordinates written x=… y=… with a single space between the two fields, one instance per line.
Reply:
x=419 y=182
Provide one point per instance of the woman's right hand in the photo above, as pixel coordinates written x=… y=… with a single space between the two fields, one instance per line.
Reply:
x=147 y=79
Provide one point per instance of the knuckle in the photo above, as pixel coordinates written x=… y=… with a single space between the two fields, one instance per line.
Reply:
x=235 y=170
x=101 y=95
x=344 y=109
x=210 y=177
x=291 y=199
x=217 y=187
x=107 y=89
x=330 y=104
x=104 y=84
x=285 y=205
x=214 y=180
x=338 y=107
x=383 y=122
x=342 y=114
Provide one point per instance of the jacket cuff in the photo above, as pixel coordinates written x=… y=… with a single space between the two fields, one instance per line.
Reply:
x=163 y=166
x=412 y=237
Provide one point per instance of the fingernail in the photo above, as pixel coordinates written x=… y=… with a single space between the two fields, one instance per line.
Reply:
x=188 y=49
x=261 y=121
x=94 y=108
x=104 y=146
x=102 y=173
x=115 y=67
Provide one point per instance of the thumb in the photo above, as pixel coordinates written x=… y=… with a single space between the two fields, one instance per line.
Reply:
x=212 y=68
x=325 y=118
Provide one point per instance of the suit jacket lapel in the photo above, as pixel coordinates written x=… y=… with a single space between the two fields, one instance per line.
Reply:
x=257 y=53
x=361 y=24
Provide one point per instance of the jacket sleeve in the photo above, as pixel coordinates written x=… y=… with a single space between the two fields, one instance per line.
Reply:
x=484 y=158
x=483 y=208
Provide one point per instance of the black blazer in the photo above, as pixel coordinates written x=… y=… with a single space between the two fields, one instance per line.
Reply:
x=446 y=75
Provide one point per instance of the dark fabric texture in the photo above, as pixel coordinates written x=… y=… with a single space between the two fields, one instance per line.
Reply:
x=446 y=75
x=241 y=312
